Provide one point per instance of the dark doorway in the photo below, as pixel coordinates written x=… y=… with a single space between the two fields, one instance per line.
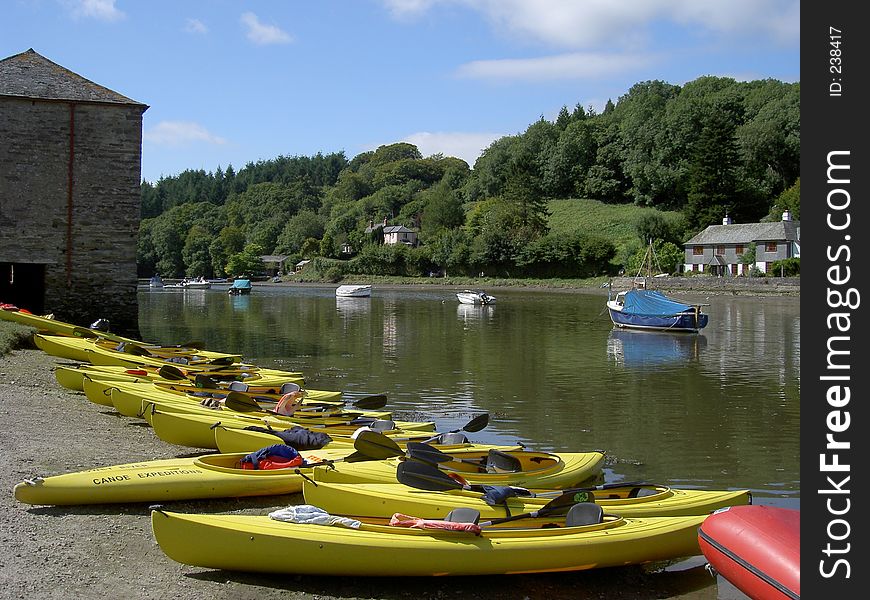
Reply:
x=23 y=284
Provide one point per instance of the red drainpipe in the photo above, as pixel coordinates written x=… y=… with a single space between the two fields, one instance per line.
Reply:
x=69 y=193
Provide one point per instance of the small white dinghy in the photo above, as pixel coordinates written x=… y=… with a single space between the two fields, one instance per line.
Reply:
x=353 y=291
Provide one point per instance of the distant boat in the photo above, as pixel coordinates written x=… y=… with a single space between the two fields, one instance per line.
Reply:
x=156 y=282
x=353 y=291
x=191 y=284
x=475 y=297
x=239 y=287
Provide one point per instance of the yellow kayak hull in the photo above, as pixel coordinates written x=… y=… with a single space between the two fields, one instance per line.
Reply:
x=539 y=469
x=197 y=430
x=385 y=499
x=209 y=476
x=72 y=376
x=101 y=352
x=261 y=544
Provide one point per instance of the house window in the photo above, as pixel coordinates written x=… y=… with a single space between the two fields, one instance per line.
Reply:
x=698 y=250
x=739 y=249
x=770 y=247
x=720 y=250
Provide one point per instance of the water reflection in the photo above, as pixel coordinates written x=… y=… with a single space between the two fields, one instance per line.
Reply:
x=240 y=301
x=634 y=348
x=351 y=307
x=472 y=313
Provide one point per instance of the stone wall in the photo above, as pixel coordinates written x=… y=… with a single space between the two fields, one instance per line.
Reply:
x=719 y=285
x=86 y=239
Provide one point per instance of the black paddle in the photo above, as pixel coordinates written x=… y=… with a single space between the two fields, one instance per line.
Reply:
x=425 y=476
x=475 y=424
x=500 y=460
x=244 y=403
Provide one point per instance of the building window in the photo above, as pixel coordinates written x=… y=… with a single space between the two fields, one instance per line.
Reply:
x=698 y=250
x=770 y=247
x=739 y=249
x=720 y=250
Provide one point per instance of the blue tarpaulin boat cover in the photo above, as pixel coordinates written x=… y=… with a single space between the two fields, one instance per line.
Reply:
x=242 y=283
x=652 y=302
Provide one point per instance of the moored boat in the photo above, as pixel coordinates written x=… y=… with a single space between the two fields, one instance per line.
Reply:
x=756 y=548
x=475 y=297
x=240 y=287
x=353 y=291
x=584 y=539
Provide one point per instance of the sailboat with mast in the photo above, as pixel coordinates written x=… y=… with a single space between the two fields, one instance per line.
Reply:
x=644 y=308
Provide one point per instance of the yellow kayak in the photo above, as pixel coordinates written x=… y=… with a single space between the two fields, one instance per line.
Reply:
x=533 y=545
x=208 y=476
x=640 y=500
x=108 y=352
x=51 y=326
x=197 y=430
x=525 y=468
x=71 y=376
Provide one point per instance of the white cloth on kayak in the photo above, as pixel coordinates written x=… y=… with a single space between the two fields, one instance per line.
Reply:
x=311 y=515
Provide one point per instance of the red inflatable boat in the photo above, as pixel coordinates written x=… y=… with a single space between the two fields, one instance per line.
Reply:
x=756 y=548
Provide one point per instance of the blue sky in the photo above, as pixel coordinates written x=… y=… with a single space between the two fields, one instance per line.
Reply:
x=233 y=82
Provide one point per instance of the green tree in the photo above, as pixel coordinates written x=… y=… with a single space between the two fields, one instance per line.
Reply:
x=248 y=262
x=197 y=259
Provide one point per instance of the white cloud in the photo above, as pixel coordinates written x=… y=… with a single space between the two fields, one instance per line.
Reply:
x=195 y=26
x=104 y=10
x=467 y=146
x=588 y=23
x=263 y=34
x=578 y=65
x=180 y=133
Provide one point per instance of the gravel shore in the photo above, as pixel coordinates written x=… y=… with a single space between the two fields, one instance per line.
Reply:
x=108 y=551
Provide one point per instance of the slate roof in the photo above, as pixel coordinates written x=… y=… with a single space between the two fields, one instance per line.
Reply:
x=31 y=75
x=397 y=229
x=747 y=232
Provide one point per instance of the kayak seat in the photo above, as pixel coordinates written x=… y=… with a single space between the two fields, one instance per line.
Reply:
x=289 y=387
x=238 y=386
x=640 y=492
x=584 y=513
x=451 y=438
x=502 y=462
x=463 y=515
x=382 y=425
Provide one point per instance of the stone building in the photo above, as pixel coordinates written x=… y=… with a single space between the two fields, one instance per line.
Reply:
x=70 y=174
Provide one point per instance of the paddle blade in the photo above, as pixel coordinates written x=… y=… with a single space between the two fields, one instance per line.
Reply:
x=371 y=402
x=240 y=402
x=424 y=476
x=477 y=423
x=426 y=453
x=172 y=373
x=376 y=445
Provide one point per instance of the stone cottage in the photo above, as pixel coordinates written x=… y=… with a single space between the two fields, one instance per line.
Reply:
x=70 y=174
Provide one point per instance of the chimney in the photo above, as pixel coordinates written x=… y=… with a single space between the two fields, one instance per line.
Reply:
x=726 y=220
x=786 y=215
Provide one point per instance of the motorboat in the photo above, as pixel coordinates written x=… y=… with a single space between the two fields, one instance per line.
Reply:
x=156 y=282
x=475 y=297
x=353 y=291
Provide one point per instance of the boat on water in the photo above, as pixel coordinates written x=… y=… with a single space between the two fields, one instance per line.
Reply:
x=156 y=282
x=240 y=287
x=756 y=548
x=290 y=541
x=644 y=308
x=478 y=297
x=200 y=283
x=353 y=291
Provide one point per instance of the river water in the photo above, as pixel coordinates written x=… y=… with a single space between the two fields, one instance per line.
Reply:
x=717 y=410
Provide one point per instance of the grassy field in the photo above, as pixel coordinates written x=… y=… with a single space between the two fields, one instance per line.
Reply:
x=615 y=222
